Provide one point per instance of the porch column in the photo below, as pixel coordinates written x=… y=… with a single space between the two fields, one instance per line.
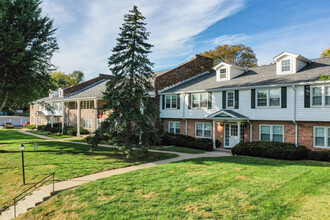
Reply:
x=63 y=113
x=78 y=118
x=213 y=134
x=239 y=131
x=52 y=120
x=95 y=114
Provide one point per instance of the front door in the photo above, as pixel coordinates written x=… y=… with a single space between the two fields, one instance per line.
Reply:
x=230 y=135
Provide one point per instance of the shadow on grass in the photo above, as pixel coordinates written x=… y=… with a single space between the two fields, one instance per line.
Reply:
x=255 y=161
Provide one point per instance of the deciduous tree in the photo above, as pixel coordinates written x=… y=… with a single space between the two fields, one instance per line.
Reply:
x=238 y=55
x=325 y=53
x=27 y=43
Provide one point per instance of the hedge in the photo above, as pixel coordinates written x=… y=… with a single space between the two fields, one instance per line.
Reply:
x=57 y=128
x=189 y=142
x=30 y=127
x=278 y=150
x=71 y=130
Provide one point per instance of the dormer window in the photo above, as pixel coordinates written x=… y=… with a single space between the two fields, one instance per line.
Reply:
x=285 y=65
x=60 y=93
x=51 y=94
x=223 y=73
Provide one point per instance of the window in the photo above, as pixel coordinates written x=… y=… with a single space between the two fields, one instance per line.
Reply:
x=317 y=96
x=38 y=120
x=32 y=106
x=269 y=97
x=87 y=123
x=223 y=73
x=32 y=119
x=199 y=100
x=203 y=129
x=87 y=105
x=66 y=121
x=75 y=122
x=171 y=101
x=174 y=127
x=322 y=137
x=271 y=133
x=230 y=99
x=327 y=95
x=285 y=65
x=262 y=97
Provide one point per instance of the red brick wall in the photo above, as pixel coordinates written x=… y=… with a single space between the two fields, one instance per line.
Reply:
x=199 y=64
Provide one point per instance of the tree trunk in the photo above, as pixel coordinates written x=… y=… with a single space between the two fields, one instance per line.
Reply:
x=4 y=102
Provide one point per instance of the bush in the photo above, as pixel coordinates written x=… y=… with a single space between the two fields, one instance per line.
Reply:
x=187 y=141
x=57 y=127
x=275 y=150
x=71 y=130
x=30 y=127
x=57 y=134
x=319 y=155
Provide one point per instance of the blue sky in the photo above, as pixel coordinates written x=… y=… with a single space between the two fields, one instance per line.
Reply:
x=87 y=30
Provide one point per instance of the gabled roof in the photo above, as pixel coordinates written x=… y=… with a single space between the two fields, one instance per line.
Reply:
x=225 y=114
x=254 y=77
x=230 y=65
x=285 y=53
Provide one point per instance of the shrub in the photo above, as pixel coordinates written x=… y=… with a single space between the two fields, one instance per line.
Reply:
x=187 y=141
x=319 y=155
x=275 y=150
x=29 y=126
x=71 y=130
x=57 y=134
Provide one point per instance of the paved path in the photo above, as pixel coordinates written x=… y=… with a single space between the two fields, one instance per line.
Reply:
x=36 y=135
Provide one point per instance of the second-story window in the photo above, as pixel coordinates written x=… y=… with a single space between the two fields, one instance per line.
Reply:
x=269 y=97
x=285 y=65
x=199 y=100
x=327 y=95
x=274 y=97
x=230 y=99
x=171 y=101
x=317 y=96
x=223 y=73
x=262 y=97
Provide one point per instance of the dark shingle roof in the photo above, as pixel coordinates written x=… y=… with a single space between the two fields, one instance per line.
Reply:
x=256 y=76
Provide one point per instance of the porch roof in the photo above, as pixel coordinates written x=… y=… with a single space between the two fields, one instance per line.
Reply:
x=227 y=115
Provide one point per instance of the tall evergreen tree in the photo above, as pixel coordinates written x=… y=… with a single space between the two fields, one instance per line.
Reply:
x=133 y=111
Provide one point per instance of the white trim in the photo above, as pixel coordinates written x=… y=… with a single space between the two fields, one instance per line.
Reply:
x=326 y=137
x=203 y=130
x=323 y=96
x=285 y=53
x=227 y=106
x=174 y=127
x=171 y=102
x=268 y=98
x=199 y=100
x=271 y=131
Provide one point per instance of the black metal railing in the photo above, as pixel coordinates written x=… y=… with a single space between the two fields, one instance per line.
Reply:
x=30 y=190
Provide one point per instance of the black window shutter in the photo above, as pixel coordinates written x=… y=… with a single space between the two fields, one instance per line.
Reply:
x=163 y=102
x=307 y=96
x=189 y=101
x=236 y=99
x=178 y=101
x=209 y=101
x=283 y=97
x=253 y=98
x=224 y=99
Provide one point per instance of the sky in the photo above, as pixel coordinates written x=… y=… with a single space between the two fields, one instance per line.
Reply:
x=179 y=29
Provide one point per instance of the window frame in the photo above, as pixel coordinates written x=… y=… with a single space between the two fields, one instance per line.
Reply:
x=227 y=99
x=288 y=59
x=272 y=132
x=225 y=72
x=312 y=96
x=90 y=122
x=174 y=127
x=199 y=100
x=171 y=101
x=326 y=137
x=268 y=98
x=203 y=129
x=323 y=96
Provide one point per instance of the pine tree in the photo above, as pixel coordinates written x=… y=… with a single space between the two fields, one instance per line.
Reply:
x=133 y=111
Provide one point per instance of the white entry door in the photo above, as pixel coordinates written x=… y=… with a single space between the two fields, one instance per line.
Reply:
x=231 y=135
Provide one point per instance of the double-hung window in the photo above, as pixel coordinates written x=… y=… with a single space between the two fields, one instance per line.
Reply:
x=199 y=100
x=322 y=137
x=269 y=97
x=174 y=127
x=285 y=65
x=223 y=73
x=203 y=130
x=271 y=133
x=87 y=105
x=87 y=123
x=230 y=99
x=327 y=95
x=171 y=101
x=317 y=96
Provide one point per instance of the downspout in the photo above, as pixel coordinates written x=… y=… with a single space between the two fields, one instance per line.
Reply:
x=184 y=113
x=250 y=129
x=295 y=114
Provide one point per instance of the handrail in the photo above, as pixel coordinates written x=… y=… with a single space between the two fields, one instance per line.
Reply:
x=20 y=196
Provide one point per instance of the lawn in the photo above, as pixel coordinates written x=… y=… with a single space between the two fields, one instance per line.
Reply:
x=49 y=134
x=216 y=188
x=13 y=136
x=66 y=159
x=179 y=149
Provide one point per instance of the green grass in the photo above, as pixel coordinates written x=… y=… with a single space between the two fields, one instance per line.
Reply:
x=13 y=136
x=48 y=134
x=179 y=149
x=76 y=140
x=216 y=188
x=66 y=159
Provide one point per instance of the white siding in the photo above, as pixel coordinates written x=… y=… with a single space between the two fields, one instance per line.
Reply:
x=300 y=64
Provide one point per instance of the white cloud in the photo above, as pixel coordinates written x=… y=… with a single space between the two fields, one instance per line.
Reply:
x=87 y=34
x=230 y=39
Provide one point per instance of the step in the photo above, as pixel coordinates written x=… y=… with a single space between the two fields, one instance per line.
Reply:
x=41 y=194
x=48 y=190
x=26 y=204
x=34 y=199
x=7 y=215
